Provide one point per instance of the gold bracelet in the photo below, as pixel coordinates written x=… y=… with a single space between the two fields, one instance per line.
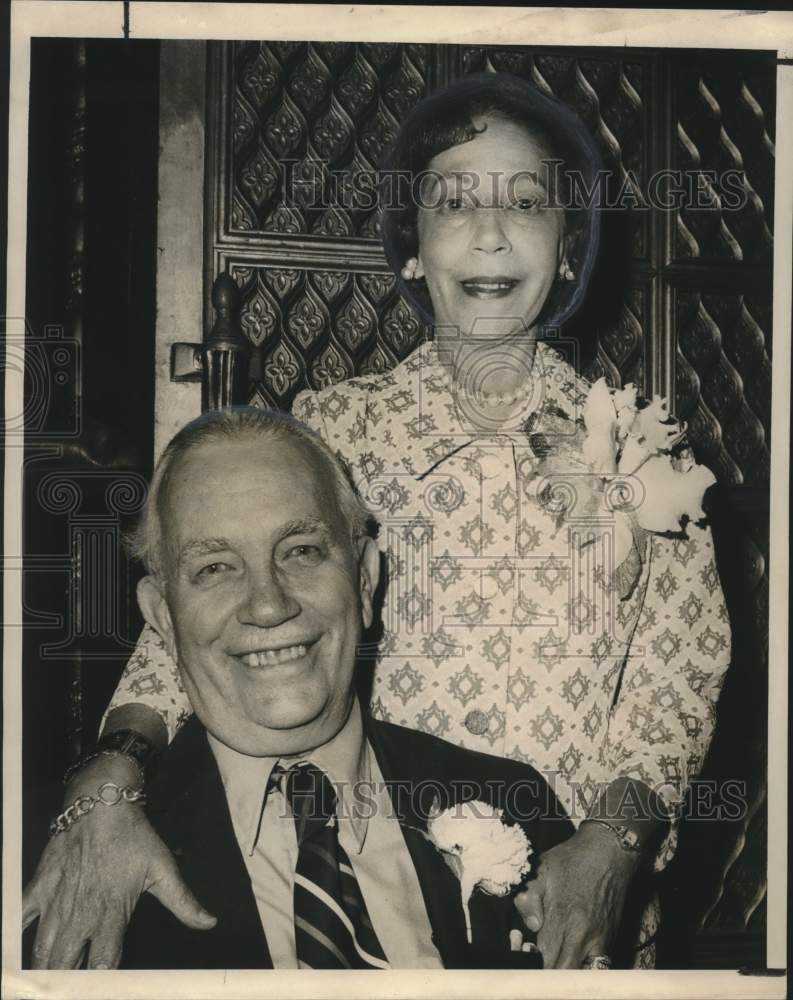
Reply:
x=95 y=755
x=627 y=839
x=109 y=794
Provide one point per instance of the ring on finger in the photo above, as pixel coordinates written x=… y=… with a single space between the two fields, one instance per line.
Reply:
x=596 y=962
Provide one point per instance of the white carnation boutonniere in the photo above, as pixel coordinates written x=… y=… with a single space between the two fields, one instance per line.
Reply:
x=630 y=448
x=481 y=849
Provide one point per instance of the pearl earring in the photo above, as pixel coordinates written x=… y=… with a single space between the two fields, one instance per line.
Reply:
x=408 y=272
x=566 y=272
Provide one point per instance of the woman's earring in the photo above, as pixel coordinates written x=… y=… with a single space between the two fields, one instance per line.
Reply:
x=408 y=272
x=566 y=272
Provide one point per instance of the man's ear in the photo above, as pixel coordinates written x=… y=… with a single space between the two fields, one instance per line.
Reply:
x=154 y=608
x=368 y=577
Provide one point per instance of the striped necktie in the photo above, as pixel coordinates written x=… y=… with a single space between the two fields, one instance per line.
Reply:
x=332 y=926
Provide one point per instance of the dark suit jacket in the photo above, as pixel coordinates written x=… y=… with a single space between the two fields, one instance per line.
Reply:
x=187 y=805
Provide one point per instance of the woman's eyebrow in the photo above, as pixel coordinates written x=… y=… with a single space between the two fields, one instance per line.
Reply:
x=529 y=176
x=463 y=179
x=452 y=175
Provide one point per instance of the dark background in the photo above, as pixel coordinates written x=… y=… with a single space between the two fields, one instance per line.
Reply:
x=92 y=202
x=686 y=294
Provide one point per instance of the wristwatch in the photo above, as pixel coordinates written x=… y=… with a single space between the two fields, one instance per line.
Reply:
x=627 y=839
x=126 y=742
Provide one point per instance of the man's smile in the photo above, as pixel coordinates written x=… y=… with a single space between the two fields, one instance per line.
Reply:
x=272 y=656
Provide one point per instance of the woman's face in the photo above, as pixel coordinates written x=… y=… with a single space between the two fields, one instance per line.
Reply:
x=490 y=244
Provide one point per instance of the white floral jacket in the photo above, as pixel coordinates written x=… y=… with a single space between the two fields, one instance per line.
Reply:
x=501 y=634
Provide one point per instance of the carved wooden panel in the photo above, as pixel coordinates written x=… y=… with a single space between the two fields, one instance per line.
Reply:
x=720 y=261
x=315 y=328
x=725 y=116
x=292 y=125
x=724 y=382
x=620 y=348
x=303 y=112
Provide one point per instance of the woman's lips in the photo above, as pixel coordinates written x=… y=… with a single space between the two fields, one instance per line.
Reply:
x=484 y=287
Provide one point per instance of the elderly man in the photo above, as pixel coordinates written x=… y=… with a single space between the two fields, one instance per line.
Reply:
x=297 y=821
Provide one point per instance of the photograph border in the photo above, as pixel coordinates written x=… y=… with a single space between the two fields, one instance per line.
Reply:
x=484 y=25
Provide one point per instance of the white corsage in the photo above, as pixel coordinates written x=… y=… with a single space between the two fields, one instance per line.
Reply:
x=629 y=471
x=632 y=447
x=482 y=851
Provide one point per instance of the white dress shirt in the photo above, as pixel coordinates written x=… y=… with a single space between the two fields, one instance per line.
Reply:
x=368 y=832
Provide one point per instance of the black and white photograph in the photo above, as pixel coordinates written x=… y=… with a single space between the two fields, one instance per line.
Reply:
x=396 y=450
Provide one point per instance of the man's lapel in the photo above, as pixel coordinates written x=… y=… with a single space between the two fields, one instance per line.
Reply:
x=441 y=891
x=440 y=887
x=188 y=807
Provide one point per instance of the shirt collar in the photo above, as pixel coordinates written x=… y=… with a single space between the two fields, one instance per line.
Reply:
x=345 y=759
x=426 y=380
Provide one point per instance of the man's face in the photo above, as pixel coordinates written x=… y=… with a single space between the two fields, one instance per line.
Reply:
x=264 y=595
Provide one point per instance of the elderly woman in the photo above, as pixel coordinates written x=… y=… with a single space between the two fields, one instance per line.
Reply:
x=552 y=594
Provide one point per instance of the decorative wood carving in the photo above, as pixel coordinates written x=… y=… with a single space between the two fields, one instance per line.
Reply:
x=317 y=327
x=226 y=353
x=303 y=117
x=724 y=384
x=725 y=121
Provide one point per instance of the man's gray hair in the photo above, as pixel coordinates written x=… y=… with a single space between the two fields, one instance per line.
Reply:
x=146 y=541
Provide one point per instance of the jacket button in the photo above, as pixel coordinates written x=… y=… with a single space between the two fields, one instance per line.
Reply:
x=476 y=722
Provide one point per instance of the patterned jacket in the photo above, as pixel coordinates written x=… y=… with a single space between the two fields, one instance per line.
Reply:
x=502 y=633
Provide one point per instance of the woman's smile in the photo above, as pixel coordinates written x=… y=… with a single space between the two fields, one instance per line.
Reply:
x=489 y=287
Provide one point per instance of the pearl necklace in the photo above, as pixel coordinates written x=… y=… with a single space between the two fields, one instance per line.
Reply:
x=495 y=399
